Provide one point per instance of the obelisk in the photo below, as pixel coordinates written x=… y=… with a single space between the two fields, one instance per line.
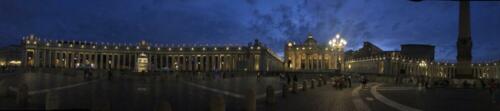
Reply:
x=464 y=43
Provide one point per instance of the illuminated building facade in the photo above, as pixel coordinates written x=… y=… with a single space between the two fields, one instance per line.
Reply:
x=311 y=56
x=396 y=63
x=10 y=56
x=146 y=57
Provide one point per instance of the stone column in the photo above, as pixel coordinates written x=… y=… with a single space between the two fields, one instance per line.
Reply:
x=189 y=62
x=130 y=60
x=49 y=59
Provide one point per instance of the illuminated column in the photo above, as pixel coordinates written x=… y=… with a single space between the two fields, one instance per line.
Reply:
x=214 y=63
x=95 y=61
x=227 y=62
x=123 y=60
x=159 y=61
x=203 y=63
x=36 y=58
x=180 y=62
x=43 y=59
x=128 y=58
x=104 y=61
x=184 y=62
x=195 y=62
x=70 y=58
x=187 y=62
x=298 y=62
x=304 y=62
x=163 y=61
x=210 y=60
x=206 y=65
x=221 y=63
x=49 y=58
x=177 y=63
x=233 y=65
x=66 y=59
x=190 y=63
x=114 y=61
x=168 y=62
x=119 y=61
x=58 y=59
x=217 y=63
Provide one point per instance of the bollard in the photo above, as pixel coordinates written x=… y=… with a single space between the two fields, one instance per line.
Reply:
x=3 y=89
x=103 y=106
x=325 y=82
x=251 y=103
x=319 y=82
x=294 y=87
x=51 y=100
x=312 y=84
x=304 y=85
x=165 y=106
x=270 y=99
x=217 y=103
x=22 y=94
x=285 y=90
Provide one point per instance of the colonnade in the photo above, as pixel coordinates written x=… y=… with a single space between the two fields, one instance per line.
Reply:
x=176 y=61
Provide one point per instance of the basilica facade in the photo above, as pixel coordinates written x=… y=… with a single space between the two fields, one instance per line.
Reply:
x=312 y=56
x=145 y=57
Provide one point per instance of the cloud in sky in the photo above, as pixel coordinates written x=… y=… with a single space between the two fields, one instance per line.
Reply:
x=386 y=23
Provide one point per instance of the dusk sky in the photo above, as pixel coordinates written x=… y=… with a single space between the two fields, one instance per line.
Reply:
x=386 y=23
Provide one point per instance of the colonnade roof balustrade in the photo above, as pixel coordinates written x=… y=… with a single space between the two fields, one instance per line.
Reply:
x=34 y=41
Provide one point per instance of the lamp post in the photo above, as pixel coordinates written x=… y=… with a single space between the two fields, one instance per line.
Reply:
x=338 y=45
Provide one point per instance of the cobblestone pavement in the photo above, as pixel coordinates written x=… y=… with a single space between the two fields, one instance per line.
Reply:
x=132 y=93
x=325 y=98
x=441 y=99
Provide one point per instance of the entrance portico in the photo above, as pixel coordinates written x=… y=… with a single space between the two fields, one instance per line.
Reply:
x=142 y=63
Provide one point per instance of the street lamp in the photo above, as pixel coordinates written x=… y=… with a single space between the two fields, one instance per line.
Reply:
x=339 y=44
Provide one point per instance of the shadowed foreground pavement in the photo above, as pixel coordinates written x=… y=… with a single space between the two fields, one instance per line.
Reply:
x=132 y=93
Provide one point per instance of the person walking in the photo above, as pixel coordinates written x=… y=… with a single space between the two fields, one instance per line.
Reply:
x=110 y=75
x=289 y=80
x=364 y=81
x=295 y=79
x=349 y=81
x=85 y=74
x=493 y=88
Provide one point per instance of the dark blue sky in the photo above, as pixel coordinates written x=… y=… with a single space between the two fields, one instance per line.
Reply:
x=386 y=23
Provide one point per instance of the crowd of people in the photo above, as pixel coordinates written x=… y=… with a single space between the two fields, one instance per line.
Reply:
x=6 y=69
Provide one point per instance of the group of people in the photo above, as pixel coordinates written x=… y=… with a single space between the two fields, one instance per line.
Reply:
x=88 y=74
x=342 y=82
x=288 y=78
x=7 y=69
x=426 y=82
